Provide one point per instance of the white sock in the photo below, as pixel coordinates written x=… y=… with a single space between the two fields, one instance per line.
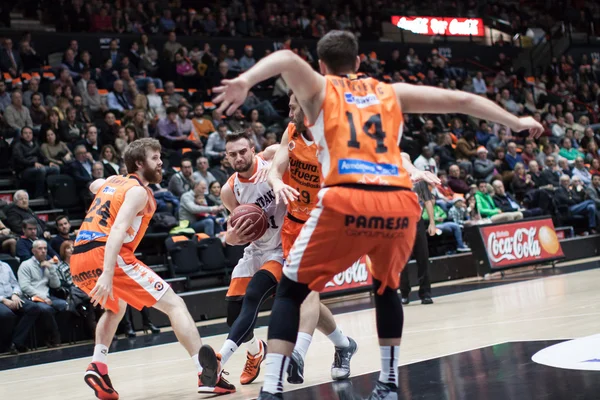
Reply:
x=389 y=364
x=229 y=347
x=100 y=354
x=197 y=362
x=338 y=338
x=253 y=346
x=275 y=369
x=303 y=343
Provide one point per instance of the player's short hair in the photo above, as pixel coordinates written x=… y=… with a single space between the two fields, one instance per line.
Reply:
x=239 y=135
x=338 y=50
x=136 y=151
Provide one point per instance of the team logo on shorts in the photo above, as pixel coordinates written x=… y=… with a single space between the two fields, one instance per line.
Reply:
x=291 y=146
x=158 y=286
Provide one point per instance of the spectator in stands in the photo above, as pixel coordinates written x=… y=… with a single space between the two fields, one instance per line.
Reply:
x=498 y=141
x=182 y=181
x=30 y=163
x=174 y=98
x=223 y=171
x=580 y=170
x=512 y=157
x=19 y=210
x=444 y=151
x=92 y=100
x=24 y=244
x=487 y=208
x=10 y=61
x=479 y=85
x=201 y=126
x=593 y=191
x=37 y=276
x=92 y=143
x=447 y=227
x=426 y=162
x=71 y=130
x=215 y=146
x=79 y=301
x=455 y=183
x=237 y=121
x=63 y=226
x=552 y=172
x=38 y=112
x=483 y=134
x=214 y=195
x=81 y=168
x=466 y=147
x=171 y=46
x=572 y=198
x=170 y=134
x=17 y=314
x=505 y=202
x=202 y=173
x=16 y=114
x=522 y=182
x=528 y=153
x=195 y=208
x=558 y=129
x=32 y=87
x=117 y=101
x=568 y=151
x=110 y=160
x=537 y=177
x=183 y=122
x=55 y=150
x=483 y=167
x=459 y=213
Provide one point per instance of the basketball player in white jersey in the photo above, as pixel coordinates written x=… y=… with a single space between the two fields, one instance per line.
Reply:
x=255 y=277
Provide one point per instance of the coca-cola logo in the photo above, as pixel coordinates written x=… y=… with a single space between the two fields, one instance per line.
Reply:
x=522 y=244
x=356 y=274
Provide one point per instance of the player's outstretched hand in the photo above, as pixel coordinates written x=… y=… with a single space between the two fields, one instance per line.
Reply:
x=284 y=192
x=232 y=94
x=426 y=176
x=103 y=290
x=260 y=176
x=529 y=124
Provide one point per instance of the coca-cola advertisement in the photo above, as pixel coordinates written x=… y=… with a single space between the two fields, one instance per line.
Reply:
x=354 y=277
x=521 y=243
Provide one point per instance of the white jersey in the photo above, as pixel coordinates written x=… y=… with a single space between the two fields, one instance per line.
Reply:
x=261 y=194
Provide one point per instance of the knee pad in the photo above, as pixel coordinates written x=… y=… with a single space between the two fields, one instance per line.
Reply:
x=261 y=286
x=389 y=312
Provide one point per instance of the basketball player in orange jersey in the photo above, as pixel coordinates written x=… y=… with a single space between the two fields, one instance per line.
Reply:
x=297 y=154
x=104 y=266
x=366 y=205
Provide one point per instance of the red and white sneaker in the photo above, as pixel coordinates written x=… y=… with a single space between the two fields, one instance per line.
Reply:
x=96 y=377
x=221 y=387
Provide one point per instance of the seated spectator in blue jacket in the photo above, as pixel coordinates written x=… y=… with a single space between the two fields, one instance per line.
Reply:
x=81 y=168
x=512 y=157
x=483 y=134
x=24 y=244
x=63 y=226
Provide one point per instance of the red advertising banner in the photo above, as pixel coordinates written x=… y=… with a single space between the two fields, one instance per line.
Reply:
x=445 y=26
x=521 y=243
x=356 y=276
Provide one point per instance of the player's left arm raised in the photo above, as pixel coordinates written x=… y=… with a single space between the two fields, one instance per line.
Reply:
x=425 y=99
x=134 y=202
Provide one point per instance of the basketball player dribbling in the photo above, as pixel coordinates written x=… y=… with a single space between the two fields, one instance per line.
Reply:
x=297 y=155
x=366 y=205
x=104 y=266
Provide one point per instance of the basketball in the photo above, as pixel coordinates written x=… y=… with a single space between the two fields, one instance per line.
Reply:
x=260 y=222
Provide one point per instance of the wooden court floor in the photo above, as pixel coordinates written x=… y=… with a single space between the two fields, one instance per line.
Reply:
x=558 y=307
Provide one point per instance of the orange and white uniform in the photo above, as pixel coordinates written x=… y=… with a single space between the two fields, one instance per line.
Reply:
x=366 y=206
x=264 y=253
x=304 y=175
x=133 y=281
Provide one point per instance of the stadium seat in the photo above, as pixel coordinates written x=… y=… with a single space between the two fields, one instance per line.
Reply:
x=62 y=191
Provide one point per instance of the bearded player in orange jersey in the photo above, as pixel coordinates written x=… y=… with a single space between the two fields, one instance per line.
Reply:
x=104 y=266
x=366 y=205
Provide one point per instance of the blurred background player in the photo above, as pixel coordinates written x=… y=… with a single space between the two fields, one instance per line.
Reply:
x=104 y=266
x=255 y=277
x=366 y=206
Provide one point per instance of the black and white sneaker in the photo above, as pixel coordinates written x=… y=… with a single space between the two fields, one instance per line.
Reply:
x=384 y=391
x=269 y=396
x=340 y=369
x=295 y=369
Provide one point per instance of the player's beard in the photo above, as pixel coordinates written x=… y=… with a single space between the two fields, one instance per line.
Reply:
x=242 y=167
x=153 y=176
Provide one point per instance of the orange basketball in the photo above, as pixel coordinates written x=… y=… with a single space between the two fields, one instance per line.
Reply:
x=260 y=222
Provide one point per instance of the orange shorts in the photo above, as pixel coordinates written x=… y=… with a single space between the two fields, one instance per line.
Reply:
x=133 y=281
x=349 y=223
x=290 y=230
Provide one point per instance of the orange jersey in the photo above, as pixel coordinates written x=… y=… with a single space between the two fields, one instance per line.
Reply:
x=304 y=173
x=358 y=132
x=102 y=213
